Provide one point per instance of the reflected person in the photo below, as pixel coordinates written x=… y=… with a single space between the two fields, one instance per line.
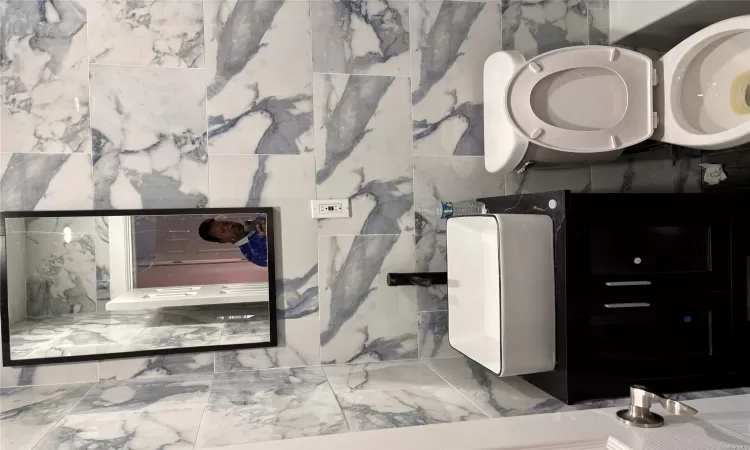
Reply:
x=249 y=237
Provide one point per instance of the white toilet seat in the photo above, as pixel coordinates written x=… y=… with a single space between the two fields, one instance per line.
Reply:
x=637 y=122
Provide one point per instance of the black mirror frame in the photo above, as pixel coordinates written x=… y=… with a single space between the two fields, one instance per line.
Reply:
x=4 y=307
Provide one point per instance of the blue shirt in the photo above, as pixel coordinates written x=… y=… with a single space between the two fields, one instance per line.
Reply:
x=254 y=248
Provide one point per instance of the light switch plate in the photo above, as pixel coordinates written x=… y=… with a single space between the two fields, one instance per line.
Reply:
x=330 y=208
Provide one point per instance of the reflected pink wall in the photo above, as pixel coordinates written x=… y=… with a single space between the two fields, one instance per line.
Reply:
x=191 y=274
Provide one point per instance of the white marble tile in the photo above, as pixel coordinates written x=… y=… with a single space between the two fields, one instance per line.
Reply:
x=439 y=179
x=148 y=394
x=44 y=78
x=497 y=397
x=45 y=182
x=450 y=42
x=162 y=33
x=365 y=37
x=148 y=126
x=633 y=175
x=48 y=374
x=286 y=183
x=534 y=28
x=101 y=247
x=156 y=366
x=259 y=77
x=374 y=410
x=361 y=318
x=363 y=152
x=381 y=376
x=299 y=345
x=598 y=26
x=433 y=336
x=576 y=179
x=174 y=429
x=60 y=275
x=27 y=414
x=269 y=404
x=432 y=256
x=177 y=336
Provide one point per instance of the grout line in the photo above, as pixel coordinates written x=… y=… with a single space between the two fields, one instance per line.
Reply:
x=336 y=397
x=456 y=389
x=203 y=414
x=64 y=416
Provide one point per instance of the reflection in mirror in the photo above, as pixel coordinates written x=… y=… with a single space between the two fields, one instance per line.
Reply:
x=114 y=284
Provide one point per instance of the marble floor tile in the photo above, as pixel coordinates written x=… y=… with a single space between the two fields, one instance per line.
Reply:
x=259 y=77
x=534 y=28
x=254 y=330
x=271 y=404
x=148 y=394
x=433 y=336
x=48 y=374
x=161 y=33
x=149 y=128
x=363 y=152
x=364 y=37
x=361 y=318
x=156 y=366
x=174 y=429
x=497 y=397
x=576 y=179
x=264 y=180
x=45 y=181
x=380 y=376
x=450 y=42
x=687 y=175
x=374 y=410
x=45 y=102
x=27 y=414
x=299 y=345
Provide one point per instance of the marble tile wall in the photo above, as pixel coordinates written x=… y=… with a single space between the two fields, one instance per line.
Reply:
x=111 y=104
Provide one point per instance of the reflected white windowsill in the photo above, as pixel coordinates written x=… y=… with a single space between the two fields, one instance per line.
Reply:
x=212 y=294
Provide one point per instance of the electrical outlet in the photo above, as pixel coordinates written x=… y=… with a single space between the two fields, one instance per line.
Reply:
x=330 y=209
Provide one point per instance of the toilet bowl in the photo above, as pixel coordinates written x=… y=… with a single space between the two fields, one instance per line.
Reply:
x=588 y=103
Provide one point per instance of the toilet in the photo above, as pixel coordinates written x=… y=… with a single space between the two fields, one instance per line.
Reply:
x=588 y=103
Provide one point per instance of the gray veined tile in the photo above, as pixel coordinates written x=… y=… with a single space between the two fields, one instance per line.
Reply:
x=45 y=181
x=264 y=180
x=163 y=33
x=48 y=374
x=156 y=366
x=269 y=404
x=431 y=256
x=497 y=397
x=374 y=410
x=360 y=36
x=433 y=336
x=27 y=414
x=380 y=376
x=363 y=152
x=534 y=28
x=450 y=42
x=439 y=179
x=148 y=394
x=687 y=170
x=44 y=78
x=361 y=318
x=598 y=26
x=576 y=179
x=149 y=127
x=175 y=429
x=259 y=77
x=299 y=345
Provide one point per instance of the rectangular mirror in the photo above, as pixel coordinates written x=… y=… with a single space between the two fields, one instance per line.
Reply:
x=90 y=285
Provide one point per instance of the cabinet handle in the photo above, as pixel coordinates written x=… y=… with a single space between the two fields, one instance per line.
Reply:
x=627 y=305
x=628 y=283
